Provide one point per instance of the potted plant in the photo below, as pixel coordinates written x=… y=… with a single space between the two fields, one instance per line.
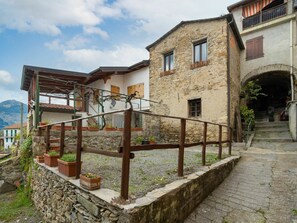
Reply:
x=67 y=165
x=40 y=159
x=152 y=140
x=138 y=140
x=90 y=181
x=50 y=158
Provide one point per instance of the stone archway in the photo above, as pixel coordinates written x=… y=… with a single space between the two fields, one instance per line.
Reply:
x=275 y=81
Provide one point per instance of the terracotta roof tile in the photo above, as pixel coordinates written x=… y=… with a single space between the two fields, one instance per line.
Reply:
x=15 y=126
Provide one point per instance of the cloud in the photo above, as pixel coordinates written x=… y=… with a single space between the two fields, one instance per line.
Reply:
x=122 y=55
x=96 y=30
x=158 y=16
x=5 y=77
x=48 y=17
x=75 y=42
x=13 y=94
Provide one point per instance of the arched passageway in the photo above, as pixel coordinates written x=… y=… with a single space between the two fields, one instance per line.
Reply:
x=277 y=89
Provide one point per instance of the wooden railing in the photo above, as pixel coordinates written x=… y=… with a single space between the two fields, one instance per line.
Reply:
x=265 y=15
x=126 y=150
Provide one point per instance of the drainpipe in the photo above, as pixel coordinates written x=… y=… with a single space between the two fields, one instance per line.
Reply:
x=291 y=62
x=228 y=79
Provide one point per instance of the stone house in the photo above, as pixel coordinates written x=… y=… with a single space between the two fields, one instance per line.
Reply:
x=59 y=95
x=268 y=30
x=195 y=72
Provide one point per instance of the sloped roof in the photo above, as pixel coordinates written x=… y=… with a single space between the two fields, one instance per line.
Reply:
x=56 y=107
x=237 y=4
x=229 y=18
x=15 y=126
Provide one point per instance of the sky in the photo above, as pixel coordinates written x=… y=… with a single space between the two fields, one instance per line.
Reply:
x=82 y=35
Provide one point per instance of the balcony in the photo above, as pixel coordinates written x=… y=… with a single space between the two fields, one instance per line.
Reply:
x=265 y=15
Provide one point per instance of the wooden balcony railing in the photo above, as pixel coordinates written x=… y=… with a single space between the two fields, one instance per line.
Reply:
x=265 y=15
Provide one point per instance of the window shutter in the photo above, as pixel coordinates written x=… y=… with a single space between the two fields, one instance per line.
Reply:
x=254 y=48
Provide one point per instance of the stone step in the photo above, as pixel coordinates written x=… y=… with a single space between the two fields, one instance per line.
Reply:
x=272 y=125
x=273 y=134
x=258 y=139
x=275 y=129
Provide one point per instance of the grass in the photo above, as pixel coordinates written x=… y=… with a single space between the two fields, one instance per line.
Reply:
x=15 y=204
x=294 y=212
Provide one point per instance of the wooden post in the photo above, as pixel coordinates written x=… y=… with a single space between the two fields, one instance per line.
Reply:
x=204 y=144
x=180 y=169
x=62 y=138
x=126 y=154
x=78 y=147
x=220 y=142
x=47 y=138
x=230 y=140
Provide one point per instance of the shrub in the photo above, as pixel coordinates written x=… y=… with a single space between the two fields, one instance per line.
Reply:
x=53 y=153
x=247 y=114
x=69 y=157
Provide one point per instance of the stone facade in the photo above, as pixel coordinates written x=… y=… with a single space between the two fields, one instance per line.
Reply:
x=208 y=81
x=61 y=199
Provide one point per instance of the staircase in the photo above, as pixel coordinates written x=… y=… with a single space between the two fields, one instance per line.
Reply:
x=271 y=134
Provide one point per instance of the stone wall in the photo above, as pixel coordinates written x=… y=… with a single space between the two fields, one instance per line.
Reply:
x=10 y=174
x=208 y=82
x=61 y=199
x=101 y=140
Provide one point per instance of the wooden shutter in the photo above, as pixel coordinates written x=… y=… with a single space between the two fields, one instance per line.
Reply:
x=96 y=97
x=138 y=88
x=115 y=92
x=254 y=48
x=78 y=103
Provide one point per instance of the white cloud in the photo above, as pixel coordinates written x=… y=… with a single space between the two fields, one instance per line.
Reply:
x=49 y=16
x=123 y=55
x=73 y=43
x=158 y=16
x=96 y=30
x=13 y=94
x=5 y=77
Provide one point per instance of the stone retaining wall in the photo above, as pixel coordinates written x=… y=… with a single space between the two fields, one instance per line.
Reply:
x=10 y=174
x=61 y=199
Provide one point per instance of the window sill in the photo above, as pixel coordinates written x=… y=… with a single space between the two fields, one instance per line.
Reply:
x=199 y=64
x=167 y=72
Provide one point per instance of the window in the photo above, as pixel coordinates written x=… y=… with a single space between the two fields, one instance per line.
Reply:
x=6 y=139
x=195 y=107
x=11 y=132
x=15 y=132
x=200 y=51
x=168 y=61
x=254 y=48
x=6 y=133
x=11 y=140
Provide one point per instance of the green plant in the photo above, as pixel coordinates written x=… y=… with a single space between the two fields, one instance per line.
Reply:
x=53 y=153
x=251 y=91
x=247 y=114
x=90 y=175
x=26 y=154
x=69 y=157
x=294 y=212
x=138 y=139
x=152 y=138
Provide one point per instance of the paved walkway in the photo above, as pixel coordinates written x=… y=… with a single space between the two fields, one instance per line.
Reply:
x=261 y=188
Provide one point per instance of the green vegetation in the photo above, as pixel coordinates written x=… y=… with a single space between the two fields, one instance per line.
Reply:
x=15 y=204
x=69 y=157
x=247 y=114
x=251 y=91
x=138 y=140
x=53 y=153
x=294 y=212
x=26 y=154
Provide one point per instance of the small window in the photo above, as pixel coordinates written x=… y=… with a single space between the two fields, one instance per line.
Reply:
x=200 y=51
x=11 y=132
x=11 y=140
x=115 y=92
x=137 y=89
x=6 y=139
x=254 y=48
x=168 y=61
x=195 y=107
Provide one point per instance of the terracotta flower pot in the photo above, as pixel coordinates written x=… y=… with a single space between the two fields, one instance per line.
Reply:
x=90 y=183
x=67 y=168
x=51 y=161
x=40 y=159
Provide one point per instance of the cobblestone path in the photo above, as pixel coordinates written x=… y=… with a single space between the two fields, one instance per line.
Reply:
x=261 y=188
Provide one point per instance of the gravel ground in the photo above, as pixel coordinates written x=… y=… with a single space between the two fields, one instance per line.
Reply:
x=148 y=170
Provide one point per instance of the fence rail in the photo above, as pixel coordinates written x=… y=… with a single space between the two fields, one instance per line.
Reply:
x=265 y=15
x=125 y=151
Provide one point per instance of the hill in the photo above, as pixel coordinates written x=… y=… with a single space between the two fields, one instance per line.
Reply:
x=10 y=112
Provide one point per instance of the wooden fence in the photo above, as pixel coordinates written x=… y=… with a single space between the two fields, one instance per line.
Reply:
x=126 y=150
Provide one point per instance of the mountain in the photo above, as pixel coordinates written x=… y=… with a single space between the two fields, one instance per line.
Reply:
x=10 y=113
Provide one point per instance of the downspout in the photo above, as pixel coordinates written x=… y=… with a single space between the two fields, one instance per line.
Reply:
x=228 y=79
x=291 y=62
